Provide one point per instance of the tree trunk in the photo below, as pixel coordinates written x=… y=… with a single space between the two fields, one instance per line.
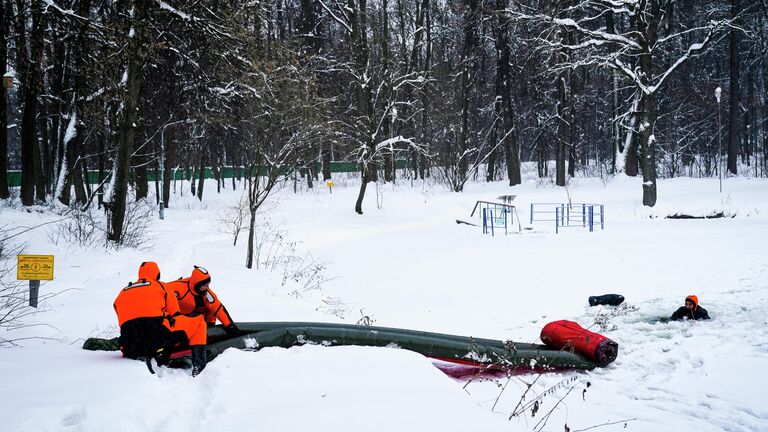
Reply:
x=358 y=14
x=361 y=193
x=191 y=178
x=563 y=112
x=156 y=171
x=79 y=176
x=541 y=165
x=251 y=234
x=44 y=141
x=216 y=173
x=136 y=54
x=618 y=147
x=66 y=167
x=56 y=84
x=32 y=86
x=140 y=173
x=734 y=125
x=201 y=178
x=562 y=127
x=422 y=158
x=504 y=96
x=168 y=174
x=387 y=89
x=571 y=116
x=69 y=171
x=5 y=21
x=467 y=78
x=648 y=147
x=490 y=175
x=100 y=190
x=326 y=155
x=85 y=182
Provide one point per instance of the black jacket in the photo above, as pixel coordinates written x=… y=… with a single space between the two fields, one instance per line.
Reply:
x=694 y=314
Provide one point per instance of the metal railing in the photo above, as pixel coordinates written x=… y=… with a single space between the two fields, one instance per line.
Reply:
x=567 y=215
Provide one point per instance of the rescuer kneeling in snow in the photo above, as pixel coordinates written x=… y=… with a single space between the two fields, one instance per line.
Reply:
x=691 y=310
x=151 y=325
x=196 y=298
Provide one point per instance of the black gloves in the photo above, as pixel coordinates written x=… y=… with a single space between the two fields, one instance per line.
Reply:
x=171 y=320
x=233 y=331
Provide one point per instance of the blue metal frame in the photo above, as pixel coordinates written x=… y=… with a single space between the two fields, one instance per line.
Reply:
x=563 y=218
x=488 y=214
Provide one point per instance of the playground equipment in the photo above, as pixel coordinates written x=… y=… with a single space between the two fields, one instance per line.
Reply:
x=569 y=215
x=496 y=215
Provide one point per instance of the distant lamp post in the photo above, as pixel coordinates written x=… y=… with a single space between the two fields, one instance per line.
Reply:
x=718 y=92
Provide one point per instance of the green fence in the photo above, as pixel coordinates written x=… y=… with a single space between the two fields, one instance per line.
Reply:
x=14 y=176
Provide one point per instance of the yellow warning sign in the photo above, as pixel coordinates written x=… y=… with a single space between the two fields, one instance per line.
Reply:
x=34 y=267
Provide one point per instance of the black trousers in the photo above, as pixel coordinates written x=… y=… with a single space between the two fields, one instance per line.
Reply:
x=143 y=338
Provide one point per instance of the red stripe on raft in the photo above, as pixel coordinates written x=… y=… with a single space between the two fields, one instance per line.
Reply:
x=177 y=354
x=472 y=363
x=461 y=368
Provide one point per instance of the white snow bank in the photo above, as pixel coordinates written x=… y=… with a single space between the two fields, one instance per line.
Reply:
x=305 y=388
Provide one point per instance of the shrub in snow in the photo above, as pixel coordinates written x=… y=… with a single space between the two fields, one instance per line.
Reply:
x=13 y=296
x=89 y=227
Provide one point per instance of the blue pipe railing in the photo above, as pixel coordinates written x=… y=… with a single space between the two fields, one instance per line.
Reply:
x=565 y=216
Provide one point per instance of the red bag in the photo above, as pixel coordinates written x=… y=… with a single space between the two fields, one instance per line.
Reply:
x=569 y=335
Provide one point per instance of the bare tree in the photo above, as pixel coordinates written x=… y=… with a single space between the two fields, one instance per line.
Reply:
x=734 y=116
x=136 y=53
x=631 y=52
x=5 y=20
x=30 y=63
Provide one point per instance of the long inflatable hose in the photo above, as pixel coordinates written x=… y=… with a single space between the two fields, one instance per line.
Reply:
x=498 y=354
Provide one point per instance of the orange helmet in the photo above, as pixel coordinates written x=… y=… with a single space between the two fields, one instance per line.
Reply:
x=200 y=277
x=693 y=299
x=149 y=270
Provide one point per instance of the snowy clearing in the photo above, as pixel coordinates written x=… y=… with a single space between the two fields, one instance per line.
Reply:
x=409 y=265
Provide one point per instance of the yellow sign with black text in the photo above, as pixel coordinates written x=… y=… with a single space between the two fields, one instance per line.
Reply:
x=34 y=267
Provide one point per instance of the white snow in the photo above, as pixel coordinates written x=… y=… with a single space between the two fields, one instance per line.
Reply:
x=71 y=128
x=182 y=15
x=409 y=265
x=70 y=133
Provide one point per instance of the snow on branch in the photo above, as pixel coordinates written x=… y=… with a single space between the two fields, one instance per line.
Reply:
x=66 y=12
x=620 y=66
x=692 y=51
x=171 y=9
x=343 y=22
x=600 y=35
x=209 y=26
x=364 y=154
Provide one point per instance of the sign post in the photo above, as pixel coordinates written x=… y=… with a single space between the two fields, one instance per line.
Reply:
x=34 y=268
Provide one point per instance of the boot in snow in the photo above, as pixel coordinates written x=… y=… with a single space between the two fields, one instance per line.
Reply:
x=198 y=359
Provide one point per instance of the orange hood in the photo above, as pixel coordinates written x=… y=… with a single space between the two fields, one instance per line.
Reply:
x=199 y=277
x=149 y=270
x=693 y=299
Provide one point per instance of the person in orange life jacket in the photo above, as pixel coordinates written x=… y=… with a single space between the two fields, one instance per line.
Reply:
x=196 y=297
x=151 y=324
x=691 y=310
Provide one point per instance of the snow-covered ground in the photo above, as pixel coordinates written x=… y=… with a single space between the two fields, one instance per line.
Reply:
x=406 y=263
